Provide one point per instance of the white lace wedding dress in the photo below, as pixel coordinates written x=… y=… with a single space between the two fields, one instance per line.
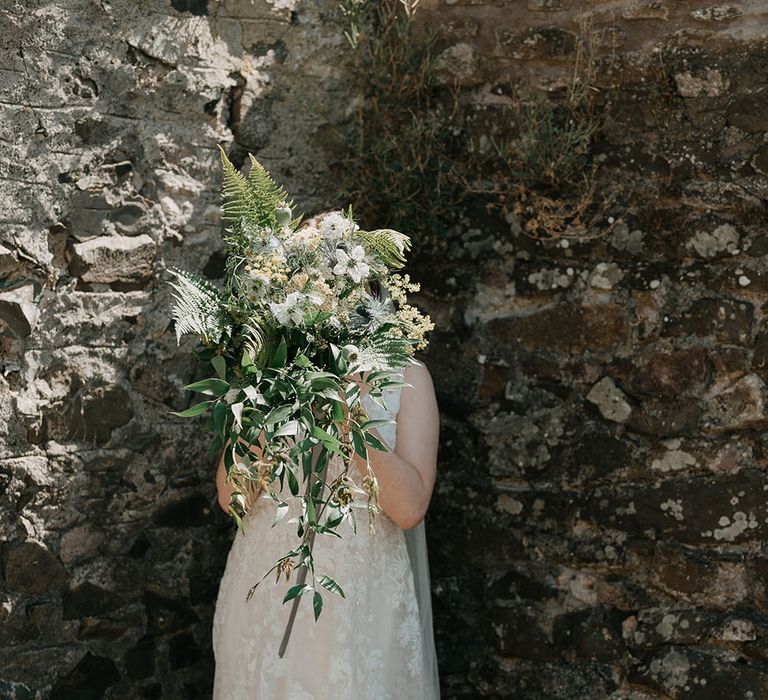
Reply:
x=371 y=644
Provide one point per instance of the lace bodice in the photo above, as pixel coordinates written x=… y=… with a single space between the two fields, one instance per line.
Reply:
x=366 y=645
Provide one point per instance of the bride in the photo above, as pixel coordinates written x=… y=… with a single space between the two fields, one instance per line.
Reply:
x=376 y=642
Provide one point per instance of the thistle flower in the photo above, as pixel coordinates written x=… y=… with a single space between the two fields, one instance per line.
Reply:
x=374 y=311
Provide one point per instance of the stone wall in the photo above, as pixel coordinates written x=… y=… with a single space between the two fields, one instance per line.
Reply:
x=597 y=525
x=111 y=542
x=601 y=506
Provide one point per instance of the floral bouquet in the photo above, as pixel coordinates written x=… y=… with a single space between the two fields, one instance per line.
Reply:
x=306 y=311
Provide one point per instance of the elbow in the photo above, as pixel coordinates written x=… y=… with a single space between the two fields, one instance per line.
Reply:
x=409 y=520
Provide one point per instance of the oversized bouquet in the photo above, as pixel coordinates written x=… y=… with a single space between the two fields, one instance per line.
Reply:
x=306 y=312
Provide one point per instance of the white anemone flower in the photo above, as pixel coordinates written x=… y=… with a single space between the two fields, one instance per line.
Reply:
x=352 y=263
x=291 y=311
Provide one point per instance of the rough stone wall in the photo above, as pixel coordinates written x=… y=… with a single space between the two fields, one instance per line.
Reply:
x=597 y=525
x=111 y=542
x=601 y=508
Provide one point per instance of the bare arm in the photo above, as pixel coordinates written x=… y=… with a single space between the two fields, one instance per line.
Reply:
x=406 y=477
x=224 y=488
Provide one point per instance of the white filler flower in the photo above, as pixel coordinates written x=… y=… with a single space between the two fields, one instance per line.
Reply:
x=352 y=263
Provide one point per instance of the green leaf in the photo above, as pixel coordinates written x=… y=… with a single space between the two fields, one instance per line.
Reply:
x=278 y=414
x=302 y=360
x=195 y=410
x=293 y=484
x=377 y=423
x=331 y=585
x=311 y=513
x=289 y=428
x=212 y=387
x=295 y=591
x=220 y=365
x=317 y=604
x=327 y=439
x=375 y=442
x=220 y=413
x=280 y=511
x=337 y=412
x=359 y=444
x=281 y=355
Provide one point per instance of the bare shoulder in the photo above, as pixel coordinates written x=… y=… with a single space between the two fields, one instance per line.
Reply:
x=416 y=373
x=422 y=390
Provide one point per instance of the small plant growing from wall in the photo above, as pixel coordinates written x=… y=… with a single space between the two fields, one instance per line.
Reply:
x=409 y=158
x=401 y=156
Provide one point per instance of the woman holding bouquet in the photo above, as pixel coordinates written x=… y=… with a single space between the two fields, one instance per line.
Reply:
x=321 y=413
x=376 y=642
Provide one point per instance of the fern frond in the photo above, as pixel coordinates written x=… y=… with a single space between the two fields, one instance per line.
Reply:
x=388 y=244
x=253 y=196
x=384 y=351
x=258 y=340
x=266 y=193
x=197 y=308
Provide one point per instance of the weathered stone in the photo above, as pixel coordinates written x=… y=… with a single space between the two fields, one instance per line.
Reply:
x=166 y=615
x=739 y=406
x=15 y=691
x=114 y=259
x=80 y=542
x=750 y=112
x=563 y=328
x=192 y=511
x=89 y=679
x=536 y=42
x=139 y=660
x=727 y=320
x=711 y=84
x=183 y=651
x=18 y=309
x=515 y=633
x=645 y=9
x=29 y=567
x=459 y=64
x=91 y=413
x=718 y=13
x=610 y=400
x=594 y=634
x=665 y=374
x=89 y=600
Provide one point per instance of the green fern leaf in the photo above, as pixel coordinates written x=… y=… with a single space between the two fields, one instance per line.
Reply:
x=252 y=197
x=388 y=244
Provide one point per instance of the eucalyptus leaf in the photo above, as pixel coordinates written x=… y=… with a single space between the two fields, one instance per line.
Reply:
x=331 y=585
x=220 y=365
x=212 y=387
x=195 y=410
x=296 y=590
x=278 y=414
